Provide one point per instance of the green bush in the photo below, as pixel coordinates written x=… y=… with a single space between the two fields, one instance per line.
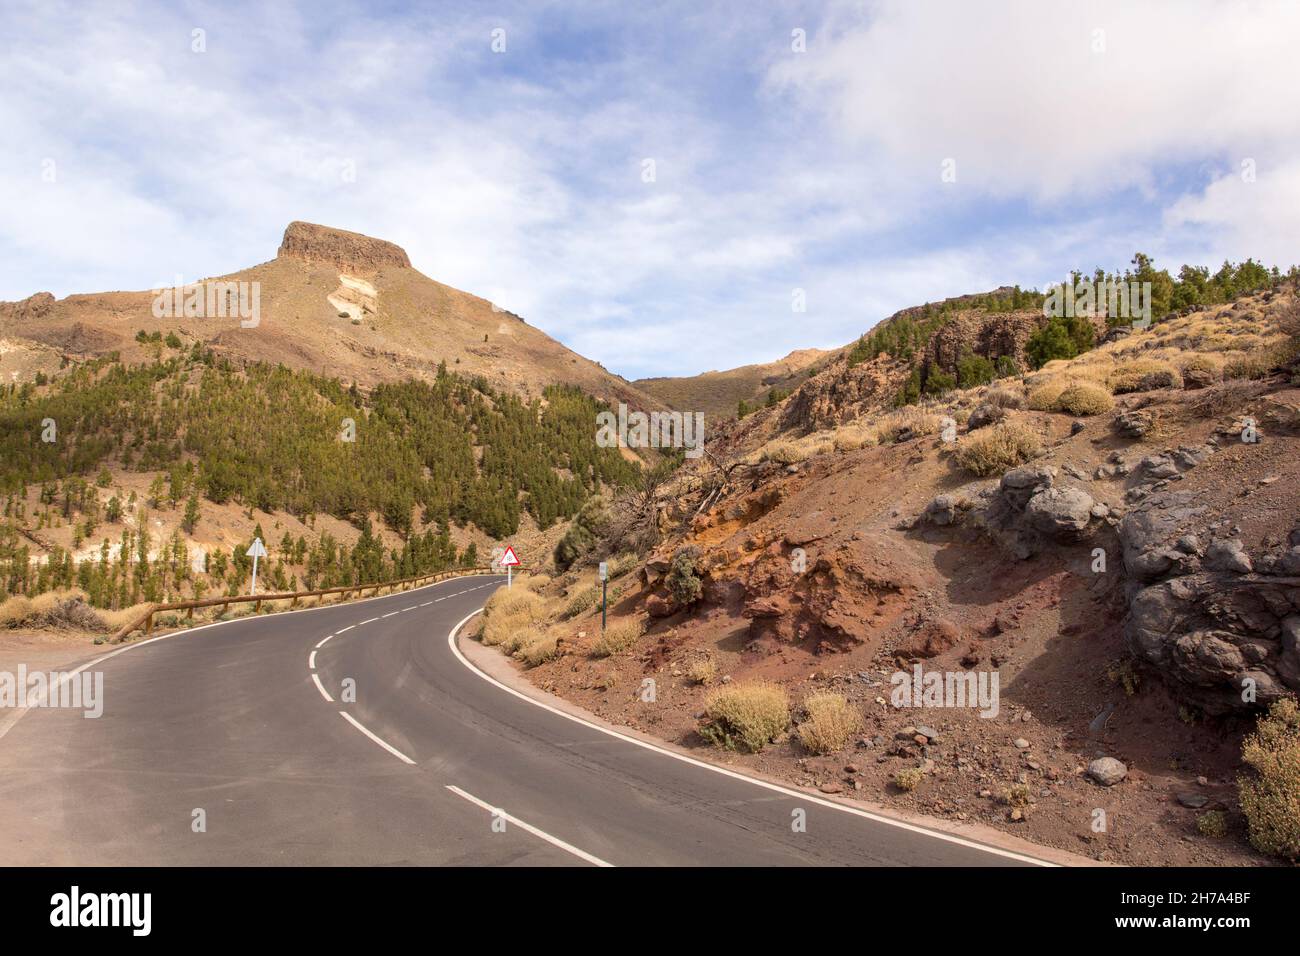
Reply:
x=683 y=582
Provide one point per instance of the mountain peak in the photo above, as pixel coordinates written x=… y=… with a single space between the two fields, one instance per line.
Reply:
x=346 y=250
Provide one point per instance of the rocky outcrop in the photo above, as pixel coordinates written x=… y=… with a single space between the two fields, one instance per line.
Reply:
x=839 y=393
x=29 y=309
x=1027 y=511
x=347 y=251
x=981 y=333
x=1223 y=634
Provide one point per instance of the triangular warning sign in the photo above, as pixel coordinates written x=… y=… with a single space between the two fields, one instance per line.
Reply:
x=509 y=560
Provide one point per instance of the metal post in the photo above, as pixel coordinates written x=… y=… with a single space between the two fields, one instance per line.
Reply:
x=604 y=602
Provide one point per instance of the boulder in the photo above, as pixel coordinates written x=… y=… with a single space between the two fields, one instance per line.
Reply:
x=1061 y=513
x=984 y=415
x=1107 y=771
x=1228 y=555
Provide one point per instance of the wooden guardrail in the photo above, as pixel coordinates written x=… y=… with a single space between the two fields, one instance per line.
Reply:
x=145 y=621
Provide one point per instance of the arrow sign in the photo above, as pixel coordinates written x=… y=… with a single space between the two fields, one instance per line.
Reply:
x=255 y=550
x=509 y=561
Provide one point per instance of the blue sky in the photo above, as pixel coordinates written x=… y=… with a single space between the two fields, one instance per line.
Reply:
x=1079 y=133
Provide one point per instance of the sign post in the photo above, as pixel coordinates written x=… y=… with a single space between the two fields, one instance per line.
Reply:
x=508 y=561
x=604 y=592
x=255 y=550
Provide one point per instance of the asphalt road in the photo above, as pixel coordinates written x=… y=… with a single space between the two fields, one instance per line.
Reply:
x=427 y=763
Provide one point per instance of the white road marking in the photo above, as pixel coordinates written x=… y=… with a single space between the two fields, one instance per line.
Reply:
x=311 y=661
x=11 y=721
x=806 y=797
x=321 y=687
x=390 y=614
x=426 y=604
x=369 y=620
x=322 y=641
x=387 y=746
x=541 y=834
x=411 y=608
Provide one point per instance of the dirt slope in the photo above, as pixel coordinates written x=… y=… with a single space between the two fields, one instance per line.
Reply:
x=718 y=393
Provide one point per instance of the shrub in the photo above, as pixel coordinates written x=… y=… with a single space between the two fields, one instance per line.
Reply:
x=702 y=671
x=973 y=370
x=582 y=601
x=1084 y=398
x=1063 y=337
x=1017 y=795
x=1253 y=365
x=1212 y=824
x=830 y=723
x=909 y=779
x=1144 y=375
x=617 y=637
x=910 y=419
x=60 y=610
x=540 y=649
x=745 y=716
x=508 y=613
x=1271 y=797
x=994 y=450
x=1005 y=398
x=1042 y=398
x=583 y=532
x=852 y=437
x=682 y=581
x=782 y=452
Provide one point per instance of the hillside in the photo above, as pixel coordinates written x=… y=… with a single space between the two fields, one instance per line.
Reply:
x=719 y=394
x=853 y=533
x=332 y=302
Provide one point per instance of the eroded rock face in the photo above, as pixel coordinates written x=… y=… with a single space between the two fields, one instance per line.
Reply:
x=1225 y=637
x=29 y=309
x=1027 y=511
x=982 y=333
x=349 y=251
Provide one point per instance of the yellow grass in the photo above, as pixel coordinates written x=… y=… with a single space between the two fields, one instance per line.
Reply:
x=618 y=637
x=745 y=716
x=830 y=724
x=998 y=448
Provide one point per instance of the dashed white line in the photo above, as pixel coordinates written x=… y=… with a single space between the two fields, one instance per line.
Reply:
x=411 y=608
x=369 y=620
x=321 y=687
x=342 y=629
x=541 y=834
x=387 y=746
x=426 y=604
x=321 y=642
x=311 y=661
x=390 y=614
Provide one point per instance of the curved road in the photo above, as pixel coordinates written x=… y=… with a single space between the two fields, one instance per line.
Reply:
x=429 y=762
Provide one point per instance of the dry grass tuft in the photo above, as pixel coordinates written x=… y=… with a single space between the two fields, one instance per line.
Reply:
x=618 y=637
x=1084 y=398
x=830 y=723
x=1270 y=798
x=745 y=716
x=998 y=448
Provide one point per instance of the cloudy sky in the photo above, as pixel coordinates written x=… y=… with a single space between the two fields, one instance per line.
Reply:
x=653 y=186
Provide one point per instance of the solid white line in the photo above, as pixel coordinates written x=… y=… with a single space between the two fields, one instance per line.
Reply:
x=776 y=788
x=387 y=746
x=542 y=834
x=311 y=661
x=321 y=687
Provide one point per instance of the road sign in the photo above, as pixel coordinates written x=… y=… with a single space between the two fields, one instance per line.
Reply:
x=604 y=571
x=255 y=550
x=509 y=561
